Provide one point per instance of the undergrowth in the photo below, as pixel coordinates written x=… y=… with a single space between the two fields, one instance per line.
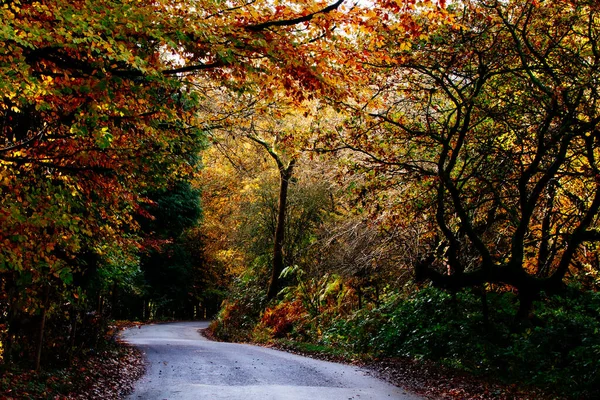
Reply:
x=558 y=349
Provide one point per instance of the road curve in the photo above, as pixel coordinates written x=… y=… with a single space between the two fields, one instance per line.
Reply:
x=184 y=365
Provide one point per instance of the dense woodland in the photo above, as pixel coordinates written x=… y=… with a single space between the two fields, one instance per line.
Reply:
x=415 y=179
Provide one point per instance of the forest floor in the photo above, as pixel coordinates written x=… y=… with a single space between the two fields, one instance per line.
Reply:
x=432 y=380
x=437 y=382
x=108 y=374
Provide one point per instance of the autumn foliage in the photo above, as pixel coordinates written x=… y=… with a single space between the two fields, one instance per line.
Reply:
x=466 y=157
x=100 y=107
x=325 y=162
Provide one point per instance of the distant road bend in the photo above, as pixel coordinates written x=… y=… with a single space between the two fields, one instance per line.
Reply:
x=184 y=365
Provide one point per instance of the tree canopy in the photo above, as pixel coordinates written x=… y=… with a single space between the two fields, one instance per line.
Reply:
x=100 y=106
x=320 y=159
x=489 y=125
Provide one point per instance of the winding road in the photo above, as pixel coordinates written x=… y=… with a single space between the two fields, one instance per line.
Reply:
x=184 y=365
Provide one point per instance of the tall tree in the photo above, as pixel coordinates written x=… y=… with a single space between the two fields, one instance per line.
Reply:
x=97 y=106
x=286 y=171
x=278 y=128
x=486 y=127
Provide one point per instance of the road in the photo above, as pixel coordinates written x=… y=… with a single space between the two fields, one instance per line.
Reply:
x=184 y=365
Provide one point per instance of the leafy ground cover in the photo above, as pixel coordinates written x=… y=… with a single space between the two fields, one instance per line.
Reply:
x=426 y=378
x=437 y=382
x=106 y=374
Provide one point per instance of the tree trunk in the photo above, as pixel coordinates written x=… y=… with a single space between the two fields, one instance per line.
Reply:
x=278 y=265
x=114 y=306
x=73 y=316
x=11 y=327
x=525 y=306
x=528 y=286
x=100 y=306
x=484 y=308
x=40 y=343
x=359 y=295
x=285 y=174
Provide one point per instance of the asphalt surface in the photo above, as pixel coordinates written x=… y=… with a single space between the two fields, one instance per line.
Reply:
x=184 y=365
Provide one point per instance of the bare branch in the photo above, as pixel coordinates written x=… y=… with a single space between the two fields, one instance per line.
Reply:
x=293 y=21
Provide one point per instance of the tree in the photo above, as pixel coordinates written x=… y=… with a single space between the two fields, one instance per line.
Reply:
x=278 y=129
x=97 y=107
x=484 y=128
x=167 y=264
x=286 y=171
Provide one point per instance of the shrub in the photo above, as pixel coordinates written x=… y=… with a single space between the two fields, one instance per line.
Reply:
x=559 y=351
x=283 y=317
x=240 y=313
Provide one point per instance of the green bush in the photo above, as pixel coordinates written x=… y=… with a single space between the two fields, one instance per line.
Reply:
x=560 y=350
x=241 y=311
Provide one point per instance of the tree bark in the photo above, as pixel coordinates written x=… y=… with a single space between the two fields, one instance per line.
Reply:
x=73 y=316
x=525 y=311
x=285 y=174
x=278 y=263
x=528 y=286
x=359 y=295
x=40 y=343
x=484 y=307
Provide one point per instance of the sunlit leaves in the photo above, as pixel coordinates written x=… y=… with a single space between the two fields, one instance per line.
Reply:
x=483 y=120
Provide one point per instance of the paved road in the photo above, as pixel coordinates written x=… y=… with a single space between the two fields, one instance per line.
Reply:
x=184 y=365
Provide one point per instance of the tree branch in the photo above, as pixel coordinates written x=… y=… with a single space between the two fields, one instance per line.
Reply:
x=293 y=21
x=25 y=142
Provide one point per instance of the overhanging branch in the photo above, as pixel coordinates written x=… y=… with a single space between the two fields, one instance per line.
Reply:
x=293 y=21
